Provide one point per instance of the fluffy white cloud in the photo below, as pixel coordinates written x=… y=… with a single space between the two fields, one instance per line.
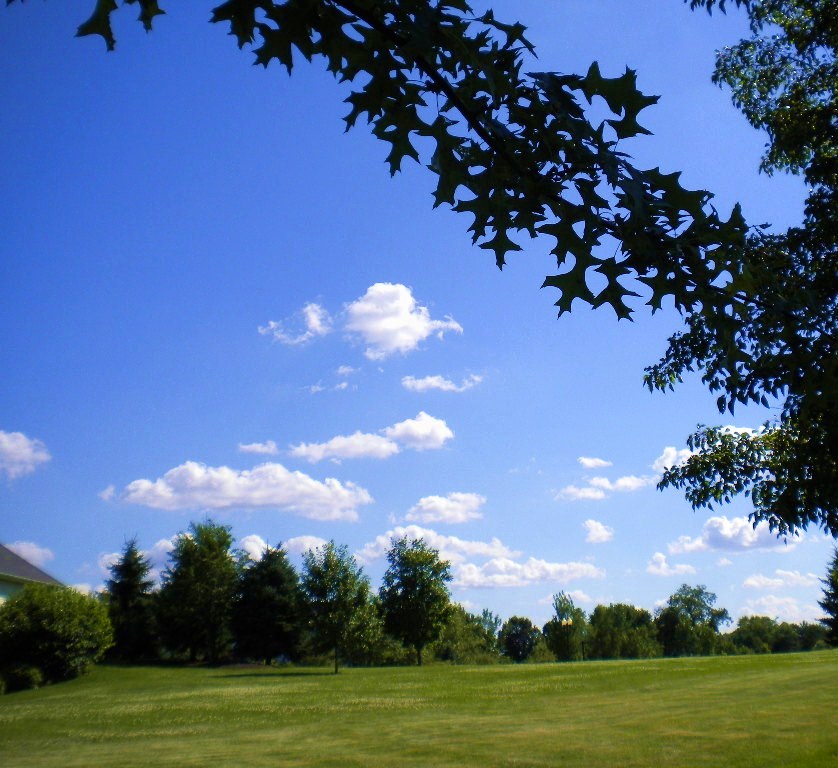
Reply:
x=670 y=457
x=299 y=545
x=731 y=534
x=597 y=533
x=345 y=370
x=268 y=448
x=451 y=548
x=723 y=562
x=106 y=494
x=439 y=382
x=577 y=595
x=453 y=508
x=31 y=552
x=658 y=566
x=197 y=486
x=780 y=580
x=20 y=455
x=591 y=462
x=422 y=433
x=254 y=545
x=360 y=445
x=782 y=608
x=504 y=572
x=575 y=493
x=625 y=484
x=316 y=322
x=389 y=320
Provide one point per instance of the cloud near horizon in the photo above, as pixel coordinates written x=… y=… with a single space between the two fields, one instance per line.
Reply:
x=267 y=448
x=32 y=552
x=658 y=566
x=390 y=321
x=197 y=486
x=21 y=455
x=502 y=568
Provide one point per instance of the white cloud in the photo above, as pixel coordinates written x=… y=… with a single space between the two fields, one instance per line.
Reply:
x=254 y=545
x=782 y=608
x=453 y=508
x=626 y=484
x=575 y=493
x=780 y=580
x=440 y=383
x=20 y=455
x=577 y=595
x=346 y=370
x=597 y=533
x=723 y=562
x=359 y=445
x=590 y=462
x=451 y=548
x=31 y=552
x=422 y=433
x=670 y=457
x=389 y=320
x=658 y=566
x=197 y=486
x=504 y=572
x=268 y=448
x=731 y=534
x=298 y=545
x=106 y=494
x=315 y=320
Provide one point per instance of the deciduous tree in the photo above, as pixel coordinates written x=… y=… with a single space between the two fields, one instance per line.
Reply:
x=689 y=623
x=566 y=633
x=56 y=629
x=518 y=637
x=337 y=594
x=196 y=597
x=414 y=593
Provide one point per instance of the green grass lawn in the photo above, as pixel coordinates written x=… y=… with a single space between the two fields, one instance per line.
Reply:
x=743 y=711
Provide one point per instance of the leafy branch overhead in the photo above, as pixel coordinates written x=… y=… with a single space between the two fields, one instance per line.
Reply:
x=445 y=87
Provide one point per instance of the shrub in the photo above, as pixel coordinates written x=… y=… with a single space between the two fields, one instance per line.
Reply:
x=56 y=629
x=21 y=677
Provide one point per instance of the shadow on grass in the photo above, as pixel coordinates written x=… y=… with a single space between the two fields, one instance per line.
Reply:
x=279 y=673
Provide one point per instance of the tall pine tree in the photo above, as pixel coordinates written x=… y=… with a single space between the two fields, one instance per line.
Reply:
x=129 y=606
x=830 y=600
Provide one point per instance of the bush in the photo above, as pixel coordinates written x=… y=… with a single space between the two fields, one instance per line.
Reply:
x=21 y=677
x=56 y=629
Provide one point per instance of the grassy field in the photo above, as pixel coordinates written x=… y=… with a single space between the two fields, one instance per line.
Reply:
x=744 y=711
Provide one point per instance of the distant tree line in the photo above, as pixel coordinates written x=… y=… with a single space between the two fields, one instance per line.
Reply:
x=215 y=604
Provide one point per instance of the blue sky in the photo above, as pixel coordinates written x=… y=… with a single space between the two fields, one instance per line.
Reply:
x=215 y=302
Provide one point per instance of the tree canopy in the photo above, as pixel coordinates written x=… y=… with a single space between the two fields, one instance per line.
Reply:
x=528 y=154
x=414 y=593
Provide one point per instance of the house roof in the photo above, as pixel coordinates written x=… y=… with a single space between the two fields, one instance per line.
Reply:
x=14 y=568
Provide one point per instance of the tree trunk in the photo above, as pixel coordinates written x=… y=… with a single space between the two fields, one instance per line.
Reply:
x=336 y=659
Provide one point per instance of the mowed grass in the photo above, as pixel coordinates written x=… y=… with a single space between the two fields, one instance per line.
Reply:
x=743 y=711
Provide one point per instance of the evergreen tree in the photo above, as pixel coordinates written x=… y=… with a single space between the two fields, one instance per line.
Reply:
x=267 y=612
x=830 y=600
x=129 y=606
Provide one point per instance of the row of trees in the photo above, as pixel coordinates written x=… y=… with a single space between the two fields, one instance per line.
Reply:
x=215 y=603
